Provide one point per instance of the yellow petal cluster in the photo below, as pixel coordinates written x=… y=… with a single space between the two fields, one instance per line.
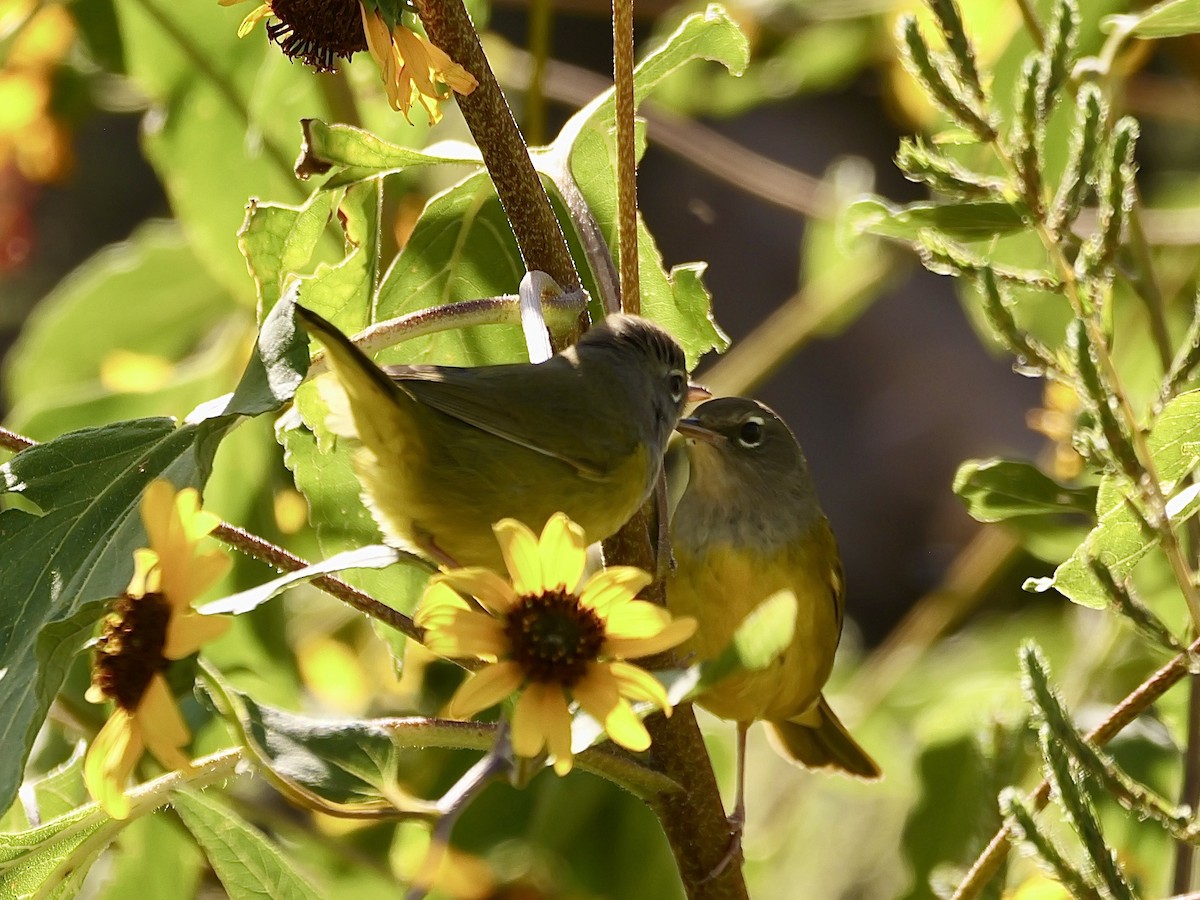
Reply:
x=412 y=68
x=171 y=572
x=541 y=570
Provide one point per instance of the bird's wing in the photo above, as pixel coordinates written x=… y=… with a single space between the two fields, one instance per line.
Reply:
x=543 y=408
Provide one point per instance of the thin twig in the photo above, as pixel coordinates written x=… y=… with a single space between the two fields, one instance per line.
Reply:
x=1032 y=23
x=691 y=141
x=487 y=114
x=1189 y=794
x=10 y=440
x=285 y=561
x=496 y=763
x=631 y=297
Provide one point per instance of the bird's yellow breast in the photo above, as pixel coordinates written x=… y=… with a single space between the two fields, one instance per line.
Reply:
x=720 y=583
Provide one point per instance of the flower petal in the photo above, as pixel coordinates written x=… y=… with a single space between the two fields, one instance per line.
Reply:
x=636 y=683
x=191 y=574
x=162 y=726
x=542 y=719
x=109 y=761
x=484 y=689
x=519 y=546
x=615 y=585
x=147 y=577
x=157 y=510
x=484 y=585
x=439 y=603
x=468 y=634
x=626 y=729
x=597 y=692
x=631 y=648
x=188 y=632
x=636 y=619
x=563 y=549
x=253 y=19
x=196 y=522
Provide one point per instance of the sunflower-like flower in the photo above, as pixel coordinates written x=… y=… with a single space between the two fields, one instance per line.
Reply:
x=551 y=638
x=149 y=626
x=319 y=32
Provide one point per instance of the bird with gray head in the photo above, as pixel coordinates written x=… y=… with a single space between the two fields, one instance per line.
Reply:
x=446 y=452
x=748 y=526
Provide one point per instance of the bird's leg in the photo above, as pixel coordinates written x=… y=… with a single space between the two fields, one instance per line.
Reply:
x=737 y=819
x=431 y=549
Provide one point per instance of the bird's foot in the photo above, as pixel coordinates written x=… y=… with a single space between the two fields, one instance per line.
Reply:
x=737 y=824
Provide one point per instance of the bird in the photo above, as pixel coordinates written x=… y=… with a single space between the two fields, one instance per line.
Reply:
x=448 y=451
x=748 y=525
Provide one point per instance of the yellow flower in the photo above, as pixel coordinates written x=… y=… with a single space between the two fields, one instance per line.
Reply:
x=151 y=625
x=412 y=67
x=551 y=638
x=321 y=31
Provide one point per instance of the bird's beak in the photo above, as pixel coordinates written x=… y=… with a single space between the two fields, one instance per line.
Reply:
x=697 y=392
x=691 y=428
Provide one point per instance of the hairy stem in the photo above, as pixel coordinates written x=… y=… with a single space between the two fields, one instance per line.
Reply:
x=631 y=297
x=487 y=114
x=1134 y=704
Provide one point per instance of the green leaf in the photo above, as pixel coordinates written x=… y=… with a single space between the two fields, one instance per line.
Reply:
x=999 y=489
x=278 y=240
x=1120 y=538
x=60 y=790
x=53 y=860
x=965 y=221
x=57 y=567
x=358 y=154
x=247 y=863
x=587 y=143
x=763 y=635
x=1170 y=19
x=223 y=126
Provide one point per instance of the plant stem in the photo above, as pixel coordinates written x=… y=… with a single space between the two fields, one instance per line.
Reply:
x=1032 y=24
x=541 y=15
x=692 y=818
x=487 y=114
x=1185 y=852
x=285 y=561
x=631 y=296
x=1134 y=704
x=1151 y=485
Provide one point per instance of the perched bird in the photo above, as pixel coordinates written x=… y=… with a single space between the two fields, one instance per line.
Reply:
x=448 y=451
x=747 y=526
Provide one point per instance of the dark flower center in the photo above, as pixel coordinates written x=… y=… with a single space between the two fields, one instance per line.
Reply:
x=317 y=31
x=130 y=650
x=553 y=637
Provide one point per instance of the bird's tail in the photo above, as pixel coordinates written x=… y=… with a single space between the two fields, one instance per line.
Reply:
x=817 y=739
x=373 y=405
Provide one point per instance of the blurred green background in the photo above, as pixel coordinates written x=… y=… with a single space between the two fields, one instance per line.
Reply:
x=123 y=181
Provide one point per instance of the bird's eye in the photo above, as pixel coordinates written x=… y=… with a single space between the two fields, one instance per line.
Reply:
x=678 y=385
x=751 y=432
